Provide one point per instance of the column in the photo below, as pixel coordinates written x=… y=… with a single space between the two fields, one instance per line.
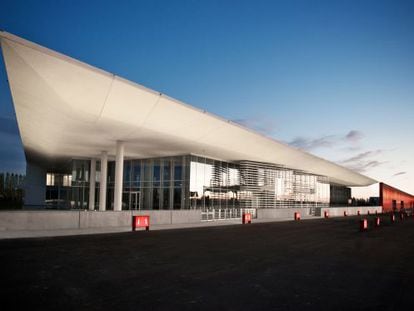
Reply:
x=92 y=178
x=103 y=179
x=119 y=175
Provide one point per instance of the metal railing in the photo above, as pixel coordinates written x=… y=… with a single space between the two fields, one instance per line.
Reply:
x=212 y=214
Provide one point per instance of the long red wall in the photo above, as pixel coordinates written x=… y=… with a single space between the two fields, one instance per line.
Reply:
x=389 y=194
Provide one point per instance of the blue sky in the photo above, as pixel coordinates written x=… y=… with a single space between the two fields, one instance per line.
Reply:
x=335 y=78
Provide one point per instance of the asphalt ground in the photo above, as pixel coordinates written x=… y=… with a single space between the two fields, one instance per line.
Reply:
x=321 y=264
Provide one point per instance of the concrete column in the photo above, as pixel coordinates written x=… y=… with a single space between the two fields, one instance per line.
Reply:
x=92 y=178
x=119 y=175
x=103 y=179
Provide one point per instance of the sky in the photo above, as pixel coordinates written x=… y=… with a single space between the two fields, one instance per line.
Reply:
x=334 y=78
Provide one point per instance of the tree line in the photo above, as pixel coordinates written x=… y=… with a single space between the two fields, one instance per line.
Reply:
x=11 y=190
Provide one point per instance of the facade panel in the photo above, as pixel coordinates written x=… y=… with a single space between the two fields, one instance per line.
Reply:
x=393 y=199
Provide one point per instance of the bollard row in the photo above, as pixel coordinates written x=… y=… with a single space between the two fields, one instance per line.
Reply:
x=363 y=223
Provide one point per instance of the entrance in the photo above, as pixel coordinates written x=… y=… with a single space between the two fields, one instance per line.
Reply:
x=131 y=200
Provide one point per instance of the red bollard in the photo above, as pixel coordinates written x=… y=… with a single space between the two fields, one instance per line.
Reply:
x=297 y=216
x=392 y=217
x=326 y=214
x=363 y=225
x=377 y=222
x=140 y=221
x=359 y=213
x=246 y=218
x=345 y=214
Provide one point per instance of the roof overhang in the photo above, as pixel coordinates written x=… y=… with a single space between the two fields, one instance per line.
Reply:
x=68 y=109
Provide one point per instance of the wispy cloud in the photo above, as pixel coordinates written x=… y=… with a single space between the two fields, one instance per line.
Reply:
x=310 y=144
x=329 y=141
x=399 y=173
x=263 y=125
x=362 y=156
x=354 y=136
x=363 y=161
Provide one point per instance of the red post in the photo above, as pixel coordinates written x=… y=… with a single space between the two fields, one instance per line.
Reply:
x=142 y=221
x=345 y=214
x=326 y=214
x=297 y=216
x=392 y=217
x=363 y=225
x=377 y=221
x=246 y=218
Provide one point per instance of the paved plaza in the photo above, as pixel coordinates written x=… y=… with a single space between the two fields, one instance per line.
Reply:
x=321 y=264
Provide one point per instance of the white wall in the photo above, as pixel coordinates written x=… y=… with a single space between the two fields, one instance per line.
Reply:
x=54 y=220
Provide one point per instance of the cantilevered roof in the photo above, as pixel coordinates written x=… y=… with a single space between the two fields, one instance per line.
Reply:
x=68 y=109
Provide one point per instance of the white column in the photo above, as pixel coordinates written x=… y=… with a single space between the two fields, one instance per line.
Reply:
x=103 y=178
x=119 y=174
x=92 y=178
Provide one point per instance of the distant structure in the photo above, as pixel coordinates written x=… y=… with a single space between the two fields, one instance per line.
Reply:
x=393 y=199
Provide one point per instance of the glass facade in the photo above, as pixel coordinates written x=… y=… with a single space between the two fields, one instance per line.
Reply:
x=265 y=185
x=195 y=182
x=152 y=184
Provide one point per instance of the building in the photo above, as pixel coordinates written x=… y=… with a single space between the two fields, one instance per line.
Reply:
x=392 y=199
x=96 y=141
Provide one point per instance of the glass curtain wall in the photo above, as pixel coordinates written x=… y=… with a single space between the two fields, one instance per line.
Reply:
x=213 y=184
x=265 y=185
x=153 y=184
x=80 y=184
x=58 y=190
x=194 y=182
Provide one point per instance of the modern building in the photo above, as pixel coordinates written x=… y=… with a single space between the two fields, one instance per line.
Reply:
x=96 y=141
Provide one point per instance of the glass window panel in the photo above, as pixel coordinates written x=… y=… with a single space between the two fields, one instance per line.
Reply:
x=146 y=200
x=167 y=170
x=178 y=169
x=147 y=171
x=156 y=171
x=136 y=172
x=166 y=198
x=155 y=198
x=177 y=198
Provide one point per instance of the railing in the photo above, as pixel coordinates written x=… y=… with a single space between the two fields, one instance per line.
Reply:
x=212 y=214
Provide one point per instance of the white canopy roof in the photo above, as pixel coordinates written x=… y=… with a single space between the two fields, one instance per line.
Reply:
x=68 y=109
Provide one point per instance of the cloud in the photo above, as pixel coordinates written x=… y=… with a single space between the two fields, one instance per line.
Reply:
x=309 y=144
x=364 y=166
x=354 y=136
x=399 y=173
x=328 y=141
x=362 y=156
x=364 y=161
x=263 y=125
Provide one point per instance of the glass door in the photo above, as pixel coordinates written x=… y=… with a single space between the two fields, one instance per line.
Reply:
x=134 y=200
